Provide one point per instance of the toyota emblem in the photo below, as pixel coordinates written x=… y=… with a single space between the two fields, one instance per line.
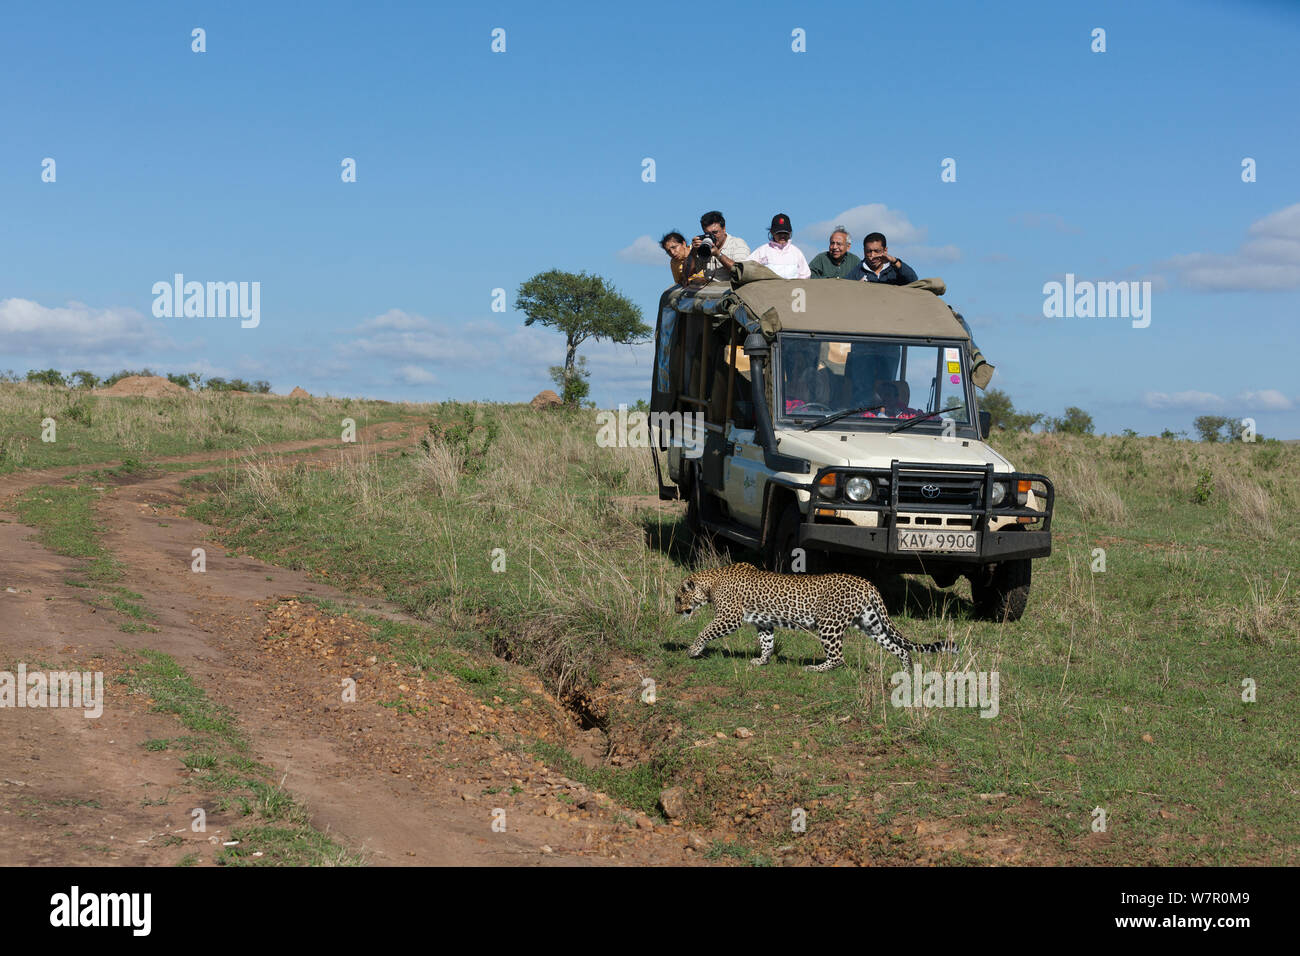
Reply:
x=930 y=491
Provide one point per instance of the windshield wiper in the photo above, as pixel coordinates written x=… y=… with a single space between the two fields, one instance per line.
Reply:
x=835 y=417
x=920 y=418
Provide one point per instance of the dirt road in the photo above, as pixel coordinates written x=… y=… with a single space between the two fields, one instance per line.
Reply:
x=401 y=785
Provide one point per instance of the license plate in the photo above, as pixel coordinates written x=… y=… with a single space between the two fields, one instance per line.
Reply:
x=938 y=541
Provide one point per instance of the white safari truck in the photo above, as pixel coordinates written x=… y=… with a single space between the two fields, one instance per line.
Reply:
x=840 y=418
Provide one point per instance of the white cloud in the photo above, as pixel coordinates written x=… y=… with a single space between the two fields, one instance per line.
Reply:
x=405 y=337
x=861 y=220
x=1269 y=261
x=644 y=251
x=416 y=375
x=75 y=330
x=1196 y=401
x=1267 y=400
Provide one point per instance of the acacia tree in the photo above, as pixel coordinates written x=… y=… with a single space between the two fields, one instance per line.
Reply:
x=1075 y=422
x=582 y=307
x=1004 y=415
x=1212 y=428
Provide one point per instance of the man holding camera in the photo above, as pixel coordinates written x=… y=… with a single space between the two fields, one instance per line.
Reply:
x=726 y=250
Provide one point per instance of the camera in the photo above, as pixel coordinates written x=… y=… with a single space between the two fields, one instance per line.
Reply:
x=706 y=240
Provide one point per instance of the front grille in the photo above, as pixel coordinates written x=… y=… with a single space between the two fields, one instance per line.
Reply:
x=956 y=491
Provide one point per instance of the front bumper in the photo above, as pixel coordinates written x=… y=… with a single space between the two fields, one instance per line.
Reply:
x=963 y=492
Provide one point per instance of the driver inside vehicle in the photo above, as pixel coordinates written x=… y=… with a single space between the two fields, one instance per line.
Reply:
x=894 y=396
x=806 y=384
x=869 y=380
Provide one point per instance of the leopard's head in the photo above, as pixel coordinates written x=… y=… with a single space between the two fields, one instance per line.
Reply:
x=691 y=595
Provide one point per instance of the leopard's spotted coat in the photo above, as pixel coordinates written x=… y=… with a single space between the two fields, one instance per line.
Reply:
x=826 y=603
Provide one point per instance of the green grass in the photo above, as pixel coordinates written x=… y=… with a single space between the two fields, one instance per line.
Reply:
x=217 y=756
x=736 y=851
x=64 y=517
x=158 y=677
x=94 y=429
x=637 y=787
x=1198 y=594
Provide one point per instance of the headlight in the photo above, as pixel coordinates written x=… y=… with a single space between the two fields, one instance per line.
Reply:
x=858 y=489
x=827 y=486
x=1022 y=493
x=999 y=492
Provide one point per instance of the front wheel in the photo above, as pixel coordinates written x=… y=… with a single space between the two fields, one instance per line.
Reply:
x=785 y=539
x=1003 y=594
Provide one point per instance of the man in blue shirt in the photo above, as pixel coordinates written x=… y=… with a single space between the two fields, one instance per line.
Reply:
x=879 y=266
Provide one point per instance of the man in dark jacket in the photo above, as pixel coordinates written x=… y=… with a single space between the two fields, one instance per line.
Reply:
x=839 y=262
x=879 y=266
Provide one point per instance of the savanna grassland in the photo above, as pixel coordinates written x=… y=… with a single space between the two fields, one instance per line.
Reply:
x=1151 y=682
x=1169 y=598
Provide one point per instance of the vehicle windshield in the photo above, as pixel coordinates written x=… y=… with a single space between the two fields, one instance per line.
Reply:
x=888 y=379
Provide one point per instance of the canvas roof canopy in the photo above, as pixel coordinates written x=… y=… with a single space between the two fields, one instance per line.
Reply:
x=829 y=305
x=845 y=306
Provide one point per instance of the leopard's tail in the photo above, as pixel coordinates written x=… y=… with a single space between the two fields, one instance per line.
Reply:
x=946 y=647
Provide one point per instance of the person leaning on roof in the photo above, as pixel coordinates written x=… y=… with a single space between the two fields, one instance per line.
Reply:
x=781 y=255
x=727 y=250
x=674 y=243
x=839 y=262
x=879 y=266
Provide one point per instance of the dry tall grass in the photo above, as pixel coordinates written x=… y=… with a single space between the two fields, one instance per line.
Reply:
x=1096 y=497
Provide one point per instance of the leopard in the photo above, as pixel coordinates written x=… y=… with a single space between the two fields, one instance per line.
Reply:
x=824 y=603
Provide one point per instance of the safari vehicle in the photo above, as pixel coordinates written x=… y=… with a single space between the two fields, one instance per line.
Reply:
x=840 y=418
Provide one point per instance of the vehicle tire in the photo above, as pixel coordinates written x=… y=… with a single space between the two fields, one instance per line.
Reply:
x=703 y=539
x=1002 y=595
x=785 y=538
x=945 y=579
x=693 y=504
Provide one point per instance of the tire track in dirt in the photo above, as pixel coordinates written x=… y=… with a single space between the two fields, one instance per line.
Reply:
x=78 y=791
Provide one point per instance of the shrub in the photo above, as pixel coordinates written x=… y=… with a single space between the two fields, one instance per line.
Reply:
x=465 y=439
x=1204 y=487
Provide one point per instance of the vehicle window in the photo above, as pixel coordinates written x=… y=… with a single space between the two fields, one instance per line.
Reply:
x=821 y=376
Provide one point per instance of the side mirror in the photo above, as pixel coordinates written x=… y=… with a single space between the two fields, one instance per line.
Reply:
x=986 y=424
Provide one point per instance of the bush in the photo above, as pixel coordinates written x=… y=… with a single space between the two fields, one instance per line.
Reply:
x=1075 y=422
x=456 y=429
x=1204 y=487
x=1213 y=428
x=575 y=387
x=49 y=376
x=1003 y=414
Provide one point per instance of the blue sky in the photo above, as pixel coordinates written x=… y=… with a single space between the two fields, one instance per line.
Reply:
x=476 y=170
